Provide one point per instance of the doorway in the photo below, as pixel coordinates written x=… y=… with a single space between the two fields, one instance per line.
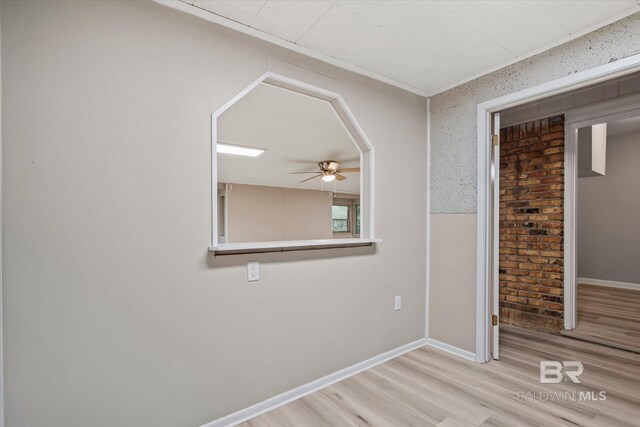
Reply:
x=607 y=288
x=488 y=282
x=531 y=221
x=541 y=162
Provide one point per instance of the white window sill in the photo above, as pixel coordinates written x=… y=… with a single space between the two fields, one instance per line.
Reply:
x=291 y=245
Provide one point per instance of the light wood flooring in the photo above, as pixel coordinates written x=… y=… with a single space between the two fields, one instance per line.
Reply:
x=430 y=387
x=609 y=316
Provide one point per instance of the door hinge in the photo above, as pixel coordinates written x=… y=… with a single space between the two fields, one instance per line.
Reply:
x=494 y=320
x=495 y=140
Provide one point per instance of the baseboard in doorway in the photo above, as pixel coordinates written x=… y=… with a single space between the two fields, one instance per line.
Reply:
x=451 y=349
x=298 y=392
x=608 y=283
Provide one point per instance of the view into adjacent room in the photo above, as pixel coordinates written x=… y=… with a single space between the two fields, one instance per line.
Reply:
x=608 y=235
x=287 y=170
x=544 y=241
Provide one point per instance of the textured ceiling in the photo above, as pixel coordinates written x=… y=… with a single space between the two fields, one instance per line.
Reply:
x=422 y=46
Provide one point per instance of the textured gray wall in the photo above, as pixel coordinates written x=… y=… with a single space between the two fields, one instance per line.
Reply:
x=608 y=207
x=453 y=113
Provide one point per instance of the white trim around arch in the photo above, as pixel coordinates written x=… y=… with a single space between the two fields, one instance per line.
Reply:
x=366 y=172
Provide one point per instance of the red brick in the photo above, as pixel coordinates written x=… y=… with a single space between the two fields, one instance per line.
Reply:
x=532 y=224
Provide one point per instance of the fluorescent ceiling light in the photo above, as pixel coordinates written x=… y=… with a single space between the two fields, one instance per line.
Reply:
x=238 y=150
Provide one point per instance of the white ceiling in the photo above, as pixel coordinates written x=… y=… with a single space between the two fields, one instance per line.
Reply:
x=297 y=131
x=422 y=46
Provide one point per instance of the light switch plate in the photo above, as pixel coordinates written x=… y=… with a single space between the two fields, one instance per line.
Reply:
x=253 y=271
x=398 y=303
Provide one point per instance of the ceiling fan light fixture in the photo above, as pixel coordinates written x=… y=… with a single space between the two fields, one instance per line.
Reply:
x=328 y=177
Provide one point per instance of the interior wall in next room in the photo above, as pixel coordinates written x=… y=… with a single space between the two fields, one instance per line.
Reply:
x=608 y=206
x=531 y=224
x=258 y=213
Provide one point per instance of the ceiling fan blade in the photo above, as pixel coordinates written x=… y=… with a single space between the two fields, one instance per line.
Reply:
x=349 y=170
x=305 y=180
x=340 y=177
x=295 y=173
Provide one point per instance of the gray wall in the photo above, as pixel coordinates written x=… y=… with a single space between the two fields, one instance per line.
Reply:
x=454 y=157
x=115 y=314
x=608 y=208
x=259 y=213
x=452 y=265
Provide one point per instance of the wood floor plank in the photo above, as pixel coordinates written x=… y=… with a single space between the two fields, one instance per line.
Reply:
x=428 y=387
x=608 y=316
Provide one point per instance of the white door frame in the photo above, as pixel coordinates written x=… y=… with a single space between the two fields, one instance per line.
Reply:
x=484 y=218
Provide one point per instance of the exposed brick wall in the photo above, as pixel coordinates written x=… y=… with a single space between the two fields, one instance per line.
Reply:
x=531 y=224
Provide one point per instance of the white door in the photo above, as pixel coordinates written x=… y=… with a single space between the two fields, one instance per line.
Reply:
x=494 y=289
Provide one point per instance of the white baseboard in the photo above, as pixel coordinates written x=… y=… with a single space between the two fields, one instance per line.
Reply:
x=451 y=349
x=609 y=283
x=298 y=392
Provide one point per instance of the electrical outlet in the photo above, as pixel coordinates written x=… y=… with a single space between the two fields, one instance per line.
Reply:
x=253 y=271
x=398 y=303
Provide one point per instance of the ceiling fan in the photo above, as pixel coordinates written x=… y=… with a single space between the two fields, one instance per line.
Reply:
x=329 y=170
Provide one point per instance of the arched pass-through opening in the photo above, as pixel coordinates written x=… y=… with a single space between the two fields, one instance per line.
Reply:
x=343 y=114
